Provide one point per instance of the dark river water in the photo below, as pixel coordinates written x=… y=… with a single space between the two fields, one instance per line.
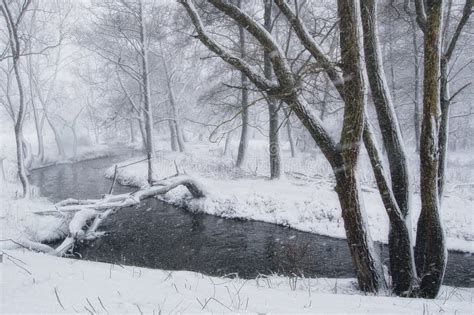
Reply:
x=158 y=235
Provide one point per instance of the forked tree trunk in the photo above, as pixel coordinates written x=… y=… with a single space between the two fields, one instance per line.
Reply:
x=430 y=251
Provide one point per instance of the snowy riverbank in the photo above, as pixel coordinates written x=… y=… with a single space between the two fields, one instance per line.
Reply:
x=17 y=220
x=304 y=202
x=38 y=283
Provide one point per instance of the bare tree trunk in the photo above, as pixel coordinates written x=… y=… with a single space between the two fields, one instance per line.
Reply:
x=273 y=133
x=444 y=125
x=177 y=125
x=390 y=54
x=360 y=244
x=178 y=132
x=14 y=43
x=324 y=102
x=141 y=125
x=243 y=144
x=57 y=137
x=39 y=123
x=132 y=131
x=39 y=131
x=430 y=251
x=74 y=143
x=402 y=266
x=150 y=151
x=228 y=140
x=173 y=141
x=289 y=131
x=445 y=98
x=416 y=70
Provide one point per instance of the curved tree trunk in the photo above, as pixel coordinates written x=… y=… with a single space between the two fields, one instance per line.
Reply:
x=402 y=266
x=57 y=137
x=365 y=259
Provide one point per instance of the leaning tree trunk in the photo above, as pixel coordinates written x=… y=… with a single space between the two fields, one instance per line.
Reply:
x=353 y=212
x=430 y=251
x=273 y=132
x=402 y=268
x=364 y=257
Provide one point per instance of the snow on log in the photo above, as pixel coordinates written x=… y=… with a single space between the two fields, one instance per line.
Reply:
x=89 y=214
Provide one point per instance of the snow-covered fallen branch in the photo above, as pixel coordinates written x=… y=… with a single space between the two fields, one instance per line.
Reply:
x=89 y=214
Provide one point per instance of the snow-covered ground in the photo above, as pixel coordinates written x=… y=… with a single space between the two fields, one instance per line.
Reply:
x=39 y=283
x=305 y=199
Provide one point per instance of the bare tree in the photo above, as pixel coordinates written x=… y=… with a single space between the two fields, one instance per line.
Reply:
x=13 y=21
x=430 y=250
x=343 y=156
x=243 y=143
x=122 y=25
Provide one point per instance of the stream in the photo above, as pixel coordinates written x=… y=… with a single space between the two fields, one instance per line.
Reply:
x=159 y=235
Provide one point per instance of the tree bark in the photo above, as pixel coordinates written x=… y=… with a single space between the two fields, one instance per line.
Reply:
x=173 y=142
x=150 y=151
x=289 y=131
x=358 y=238
x=273 y=132
x=243 y=143
x=430 y=251
x=416 y=70
x=174 y=111
x=401 y=263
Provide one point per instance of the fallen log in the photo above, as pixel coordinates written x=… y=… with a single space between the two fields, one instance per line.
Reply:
x=89 y=214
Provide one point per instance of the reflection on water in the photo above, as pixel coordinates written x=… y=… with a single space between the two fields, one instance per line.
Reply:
x=159 y=235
